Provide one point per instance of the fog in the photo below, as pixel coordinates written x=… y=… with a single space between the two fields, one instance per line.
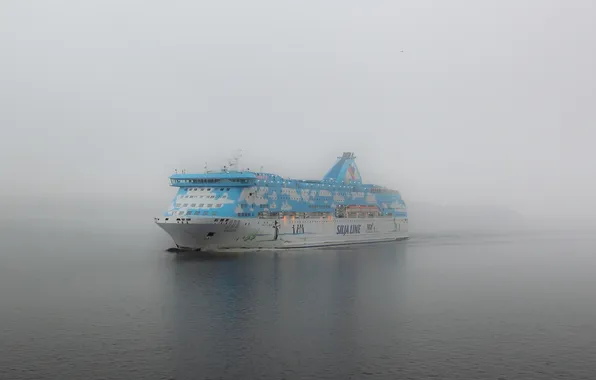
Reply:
x=487 y=105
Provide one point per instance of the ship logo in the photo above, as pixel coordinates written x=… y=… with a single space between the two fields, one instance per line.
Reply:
x=352 y=173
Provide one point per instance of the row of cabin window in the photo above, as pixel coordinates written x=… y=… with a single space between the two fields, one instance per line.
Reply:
x=237 y=180
x=190 y=212
x=203 y=189
x=299 y=199
x=384 y=191
x=274 y=214
x=201 y=196
x=342 y=194
x=195 y=180
x=210 y=205
x=245 y=214
x=246 y=205
x=207 y=180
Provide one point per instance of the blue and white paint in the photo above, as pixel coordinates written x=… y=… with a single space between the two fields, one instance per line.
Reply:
x=247 y=210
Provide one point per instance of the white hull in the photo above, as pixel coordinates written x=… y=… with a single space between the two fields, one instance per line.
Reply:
x=207 y=234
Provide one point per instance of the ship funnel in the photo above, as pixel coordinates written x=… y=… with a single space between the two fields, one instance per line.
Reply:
x=345 y=170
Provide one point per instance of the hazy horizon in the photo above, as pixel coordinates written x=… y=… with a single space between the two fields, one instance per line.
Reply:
x=456 y=104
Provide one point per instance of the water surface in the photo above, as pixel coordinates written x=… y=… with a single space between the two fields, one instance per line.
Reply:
x=88 y=300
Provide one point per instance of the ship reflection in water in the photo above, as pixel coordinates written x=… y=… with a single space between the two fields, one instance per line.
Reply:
x=278 y=310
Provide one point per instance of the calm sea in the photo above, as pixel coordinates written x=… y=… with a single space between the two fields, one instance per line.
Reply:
x=91 y=300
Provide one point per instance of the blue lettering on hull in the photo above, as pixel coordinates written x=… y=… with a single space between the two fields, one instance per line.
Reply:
x=348 y=229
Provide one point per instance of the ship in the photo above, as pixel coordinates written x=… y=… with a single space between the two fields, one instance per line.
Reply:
x=240 y=209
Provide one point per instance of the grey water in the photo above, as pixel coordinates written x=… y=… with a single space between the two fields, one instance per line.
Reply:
x=105 y=300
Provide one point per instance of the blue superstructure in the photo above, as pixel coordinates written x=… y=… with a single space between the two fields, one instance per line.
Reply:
x=247 y=194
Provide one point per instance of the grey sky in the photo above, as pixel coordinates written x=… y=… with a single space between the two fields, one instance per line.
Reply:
x=490 y=101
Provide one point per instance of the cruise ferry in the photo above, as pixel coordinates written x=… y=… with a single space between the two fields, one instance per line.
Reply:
x=242 y=209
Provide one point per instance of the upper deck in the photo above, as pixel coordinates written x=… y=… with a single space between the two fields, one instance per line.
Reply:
x=243 y=179
x=244 y=193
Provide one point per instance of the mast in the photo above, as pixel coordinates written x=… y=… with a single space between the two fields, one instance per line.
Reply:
x=233 y=162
